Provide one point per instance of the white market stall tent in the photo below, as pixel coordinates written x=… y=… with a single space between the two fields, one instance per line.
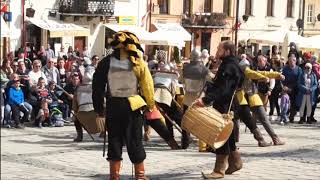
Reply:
x=5 y=31
x=272 y=37
x=312 y=42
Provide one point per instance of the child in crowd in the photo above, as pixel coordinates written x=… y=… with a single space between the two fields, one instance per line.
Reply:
x=284 y=106
x=44 y=100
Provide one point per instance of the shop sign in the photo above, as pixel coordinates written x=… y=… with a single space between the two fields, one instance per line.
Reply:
x=127 y=20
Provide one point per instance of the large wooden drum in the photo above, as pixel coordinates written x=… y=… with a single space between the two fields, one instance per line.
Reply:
x=91 y=122
x=208 y=125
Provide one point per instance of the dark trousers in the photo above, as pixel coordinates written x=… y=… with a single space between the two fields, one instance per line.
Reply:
x=293 y=108
x=230 y=145
x=160 y=128
x=16 y=113
x=124 y=127
x=246 y=117
x=273 y=100
x=174 y=115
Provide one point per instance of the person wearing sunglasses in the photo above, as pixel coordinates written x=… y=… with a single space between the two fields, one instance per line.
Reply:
x=51 y=72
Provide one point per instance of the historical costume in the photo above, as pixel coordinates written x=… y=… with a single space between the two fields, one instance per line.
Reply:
x=129 y=91
x=228 y=79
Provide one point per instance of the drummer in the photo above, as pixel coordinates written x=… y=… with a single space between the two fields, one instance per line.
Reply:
x=194 y=78
x=228 y=79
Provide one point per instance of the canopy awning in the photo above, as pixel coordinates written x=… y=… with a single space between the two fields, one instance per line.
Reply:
x=312 y=42
x=174 y=30
x=5 y=31
x=272 y=37
x=60 y=28
x=146 y=37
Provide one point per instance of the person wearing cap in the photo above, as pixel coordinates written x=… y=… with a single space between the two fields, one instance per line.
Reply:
x=21 y=57
x=194 y=78
x=293 y=51
x=16 y=101
x=129 y=92
x=306 y=98
x=291 y=72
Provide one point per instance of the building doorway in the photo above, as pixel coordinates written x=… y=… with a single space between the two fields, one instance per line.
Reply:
x=79 y=43
x=205 y=41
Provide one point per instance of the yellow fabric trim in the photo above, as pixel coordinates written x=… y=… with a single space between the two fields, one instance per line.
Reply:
x=136 y=102
x=255 y=100
x=241 y=99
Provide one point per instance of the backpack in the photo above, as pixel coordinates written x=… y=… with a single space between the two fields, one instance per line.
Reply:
x=56 y=118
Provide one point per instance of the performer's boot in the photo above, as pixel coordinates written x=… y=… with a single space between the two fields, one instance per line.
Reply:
x=235 y=162
x=173 y=144
x=309 y=120
x=258 y=136
x=79 y=132
x=139 y=171
x=302 y=120
x=147 y=132
x=185 y=139
x=115 y=170
x=219 y=168
x=277 y=141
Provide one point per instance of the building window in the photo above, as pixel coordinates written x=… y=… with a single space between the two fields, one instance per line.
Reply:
x=226 y=7
x=290 y=5
x=225 y=38
x=270 y=8
x=187 y=7
x=310 y=13
x=163 y=6
x=207 y=6
x=248 y=10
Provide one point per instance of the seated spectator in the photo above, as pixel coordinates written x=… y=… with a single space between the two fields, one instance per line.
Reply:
x=24 y=79
x=36 y=73
x=44 y=100
x=14 y=66
x=6 y=67
x=7 y=109
x=62 y=53
x=16 y=101
x=51 y=72
x=57 y=102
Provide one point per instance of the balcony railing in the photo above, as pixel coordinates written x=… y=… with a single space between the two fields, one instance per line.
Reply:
x=204 y=20
x=87 y=7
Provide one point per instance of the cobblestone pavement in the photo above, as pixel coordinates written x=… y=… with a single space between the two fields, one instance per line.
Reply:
x=49 y=153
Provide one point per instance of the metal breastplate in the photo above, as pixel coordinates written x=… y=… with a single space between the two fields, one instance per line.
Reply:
x=193 y=86
x=122 y=80
x=84 y=98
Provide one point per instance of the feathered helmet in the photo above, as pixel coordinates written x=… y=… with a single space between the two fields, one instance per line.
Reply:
x=127 y=41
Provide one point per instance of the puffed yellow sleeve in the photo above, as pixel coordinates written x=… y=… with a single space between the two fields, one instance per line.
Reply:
x=273 y=75
x=251 y=74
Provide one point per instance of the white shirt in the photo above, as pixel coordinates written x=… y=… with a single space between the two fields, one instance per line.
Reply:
x=34 y=77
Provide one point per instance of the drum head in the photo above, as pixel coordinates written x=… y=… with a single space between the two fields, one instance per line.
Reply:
x=224 y=135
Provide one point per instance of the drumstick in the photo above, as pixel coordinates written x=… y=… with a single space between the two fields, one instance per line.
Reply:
x=231 y=101
x=167 y=117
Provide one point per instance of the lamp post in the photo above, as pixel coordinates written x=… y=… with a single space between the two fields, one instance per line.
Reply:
x=236 y=26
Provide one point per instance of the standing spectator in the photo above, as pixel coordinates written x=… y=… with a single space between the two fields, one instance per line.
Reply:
x=36 y=73
x=273 y=99
x=291 y=72
x=95 y=60
x=62 y=53
x=307 y=84
x=70 y=51
x=62 y=71
x=285 y=104
x=49 y=52
x=26 y=61
x=205 y=56
x=86 y=52
x=316 y=71
x=42 y=55
x=70 y=88
x=24 y=78
x=293 y=51
x=16 y=101
x=51 y=72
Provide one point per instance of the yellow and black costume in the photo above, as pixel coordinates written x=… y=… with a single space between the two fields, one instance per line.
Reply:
x=129 y=91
